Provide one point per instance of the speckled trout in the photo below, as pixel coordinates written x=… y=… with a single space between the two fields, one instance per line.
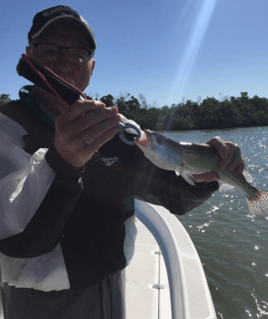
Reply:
x=187 y=159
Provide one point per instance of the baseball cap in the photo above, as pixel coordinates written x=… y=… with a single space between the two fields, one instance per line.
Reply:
x=44 y=18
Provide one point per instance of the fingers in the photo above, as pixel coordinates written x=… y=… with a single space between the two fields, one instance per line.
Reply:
x=82 y=118
x=85 y=152
x=92 y=121
x=218 y=143
x=99 y=141
x=90 y=116
x=95 y=131
x=230 y=153
x=241 y=166
x=80 y=107
x=76 y=111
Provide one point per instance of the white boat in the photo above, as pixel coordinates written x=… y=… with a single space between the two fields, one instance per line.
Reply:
x=165 y=279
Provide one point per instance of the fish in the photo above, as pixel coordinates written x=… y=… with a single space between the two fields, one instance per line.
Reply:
x=186 y=159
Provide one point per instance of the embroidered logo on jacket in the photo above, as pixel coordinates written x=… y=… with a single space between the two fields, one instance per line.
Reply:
x=110 y=160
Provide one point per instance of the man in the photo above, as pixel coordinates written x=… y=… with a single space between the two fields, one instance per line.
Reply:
x=68 y=184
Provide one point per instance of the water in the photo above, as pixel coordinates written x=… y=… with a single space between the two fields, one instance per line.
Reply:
x=232 y=246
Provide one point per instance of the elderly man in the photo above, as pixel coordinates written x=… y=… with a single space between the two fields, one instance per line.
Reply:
x=68 y=184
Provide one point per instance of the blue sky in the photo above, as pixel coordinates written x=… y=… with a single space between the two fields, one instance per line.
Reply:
x=166 y=50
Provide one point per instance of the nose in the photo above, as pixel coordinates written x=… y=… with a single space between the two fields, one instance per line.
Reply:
x=63 y=63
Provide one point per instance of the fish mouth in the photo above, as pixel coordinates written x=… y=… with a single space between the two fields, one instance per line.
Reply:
x=145 y=140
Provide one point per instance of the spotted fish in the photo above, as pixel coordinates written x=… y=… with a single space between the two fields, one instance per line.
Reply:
x=187 y=159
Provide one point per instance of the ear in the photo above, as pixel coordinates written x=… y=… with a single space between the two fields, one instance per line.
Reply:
x=93 y=66
x=29 y=51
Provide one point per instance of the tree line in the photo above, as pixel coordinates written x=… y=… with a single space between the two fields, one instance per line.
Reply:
x=210 y=113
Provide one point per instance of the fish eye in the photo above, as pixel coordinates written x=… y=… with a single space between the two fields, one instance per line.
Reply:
x=159 y=140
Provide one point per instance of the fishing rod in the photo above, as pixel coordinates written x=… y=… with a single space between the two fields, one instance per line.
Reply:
x=46 y=79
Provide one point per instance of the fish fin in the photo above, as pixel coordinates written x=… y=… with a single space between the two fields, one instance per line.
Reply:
x=247 y=176
x=179 y=170
x=259 y=204
x=224 y=187
x=187 y=176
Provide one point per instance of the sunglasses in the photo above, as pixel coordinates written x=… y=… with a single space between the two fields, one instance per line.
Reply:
x=51 y=52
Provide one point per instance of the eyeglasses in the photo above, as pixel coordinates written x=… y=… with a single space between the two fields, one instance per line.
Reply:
x=51 y=52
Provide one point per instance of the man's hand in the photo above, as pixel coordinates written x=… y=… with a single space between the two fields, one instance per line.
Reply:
x=81 y=118
x=231 y=158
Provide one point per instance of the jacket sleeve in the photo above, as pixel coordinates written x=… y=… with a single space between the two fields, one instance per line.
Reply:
x=37 y=195
x=165 y=188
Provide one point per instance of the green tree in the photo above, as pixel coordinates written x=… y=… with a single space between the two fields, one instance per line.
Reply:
x=184 y=122
x=152 y=118
x=120 y=102
x=143 y=101
x=132 y=104
x=207 y=114
x=108 y=100
x=4 y=98
x=229 y=115
x=167 y=120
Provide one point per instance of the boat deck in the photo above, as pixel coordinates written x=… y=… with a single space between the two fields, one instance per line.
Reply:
x=144 y=276
x=170 y=284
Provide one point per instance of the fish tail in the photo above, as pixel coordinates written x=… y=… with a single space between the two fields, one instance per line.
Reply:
x=258 y=204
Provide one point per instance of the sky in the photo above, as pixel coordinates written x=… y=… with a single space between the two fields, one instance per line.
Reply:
x=168 y=51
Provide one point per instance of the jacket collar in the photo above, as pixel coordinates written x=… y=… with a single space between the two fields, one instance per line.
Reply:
x=29 y=96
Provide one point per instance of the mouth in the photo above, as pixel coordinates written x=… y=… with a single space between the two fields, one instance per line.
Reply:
x=143 y=141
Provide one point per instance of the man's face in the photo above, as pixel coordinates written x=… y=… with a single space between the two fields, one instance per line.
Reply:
x=65 y=33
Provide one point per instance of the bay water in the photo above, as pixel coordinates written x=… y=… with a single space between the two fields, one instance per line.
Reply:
x=232 y=246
